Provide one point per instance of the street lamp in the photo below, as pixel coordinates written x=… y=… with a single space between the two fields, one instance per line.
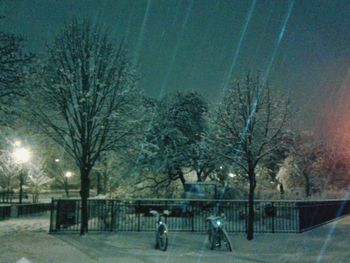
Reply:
x=67 y=175
x=232 y=175
x=17 y=143
x=21 y=156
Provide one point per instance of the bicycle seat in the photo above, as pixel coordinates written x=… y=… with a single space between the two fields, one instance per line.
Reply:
x=166 y=212
x=210 y=218
x=153 y=212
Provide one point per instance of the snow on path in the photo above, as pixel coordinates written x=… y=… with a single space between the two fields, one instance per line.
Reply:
x=29 y=238
x=35 y=223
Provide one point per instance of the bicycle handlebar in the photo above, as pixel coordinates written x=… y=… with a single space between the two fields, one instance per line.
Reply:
x=165 y=212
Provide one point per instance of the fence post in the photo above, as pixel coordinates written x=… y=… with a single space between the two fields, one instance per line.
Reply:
x=166 y=208
x=139 y=216
x=298 y=216
x=274 y=213
x=192 y=218
x=246 y=215
x=112 y=215
x=57 y=215
x=51 y=215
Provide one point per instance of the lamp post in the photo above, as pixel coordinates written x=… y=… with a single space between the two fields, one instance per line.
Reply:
x=21 y=155
x=63 y=174
x=67 y=175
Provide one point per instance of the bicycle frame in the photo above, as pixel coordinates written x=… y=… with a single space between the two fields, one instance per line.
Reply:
x=161 y=230
x=217 y=233
x=161 y=223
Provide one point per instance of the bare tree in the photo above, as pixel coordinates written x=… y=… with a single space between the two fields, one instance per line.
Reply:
x=250 y=127
x=85 y=98
x=8 y=171
x=59 y=166
x=113 y=171
x=305 y=152
x=207 y=161
x=37 y=178
x=172 y=142
x=12 y=63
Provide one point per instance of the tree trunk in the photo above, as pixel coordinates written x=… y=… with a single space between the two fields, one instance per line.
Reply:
x=98 y=186
x=21 y=189
x=250 y=223
x=199 y=178
x=66 y=190
x=281 y=190
x=8 y=199
x=105 y=183
x=84 y=193
x=199 y=173
x=35 y=197
x=182 y=179
x=307 y=185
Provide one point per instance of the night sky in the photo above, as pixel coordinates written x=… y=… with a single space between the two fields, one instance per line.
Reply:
x=302 y=47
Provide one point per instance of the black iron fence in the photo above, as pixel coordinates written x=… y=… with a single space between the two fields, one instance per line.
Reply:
x=315 y=213
x=7 y=197
x=12 y=197
x=190 y=215
x=5 y=212
x=32 y=209
x=22 y=210
x=186 y=215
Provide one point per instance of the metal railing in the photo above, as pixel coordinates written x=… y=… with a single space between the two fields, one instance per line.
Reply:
x=186 y=215
x=10 y=197
x=316 y=213
x=22 y=210
x=7 y=197
x=5 y=212
x=32 y=209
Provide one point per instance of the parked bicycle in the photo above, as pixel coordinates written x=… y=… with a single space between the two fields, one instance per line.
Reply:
x=217 y=234
x=161 y=229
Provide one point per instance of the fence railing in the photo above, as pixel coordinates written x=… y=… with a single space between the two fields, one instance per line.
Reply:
x=12 y=197
x=5 y=212
x=22 y=210
x=32 y=209
x=186 y=215
x=190 y=215
x=6 y=197
x=315 y=213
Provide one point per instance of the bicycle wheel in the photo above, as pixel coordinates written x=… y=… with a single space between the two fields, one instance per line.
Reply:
x=162 y=239
x=226 y=240
x=211 y=237
x=157 y=242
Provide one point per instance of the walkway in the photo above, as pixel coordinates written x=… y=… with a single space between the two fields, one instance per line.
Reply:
x=28 y=238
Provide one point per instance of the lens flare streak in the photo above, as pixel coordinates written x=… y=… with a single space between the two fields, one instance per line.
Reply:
x=142 y=31
x=238 y=48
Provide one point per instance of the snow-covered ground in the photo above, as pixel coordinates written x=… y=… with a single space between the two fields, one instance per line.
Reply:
x=28 y=238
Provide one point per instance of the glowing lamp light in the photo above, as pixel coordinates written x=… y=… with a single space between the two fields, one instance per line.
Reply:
x=57 y=160
x=18 y=143
x=21 y=155
x=68 y=174
x=232 y=175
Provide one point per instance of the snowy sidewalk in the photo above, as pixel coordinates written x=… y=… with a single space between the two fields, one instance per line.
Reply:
x=29 y=238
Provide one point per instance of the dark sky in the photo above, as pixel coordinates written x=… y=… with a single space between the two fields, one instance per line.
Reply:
x=302 y=46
